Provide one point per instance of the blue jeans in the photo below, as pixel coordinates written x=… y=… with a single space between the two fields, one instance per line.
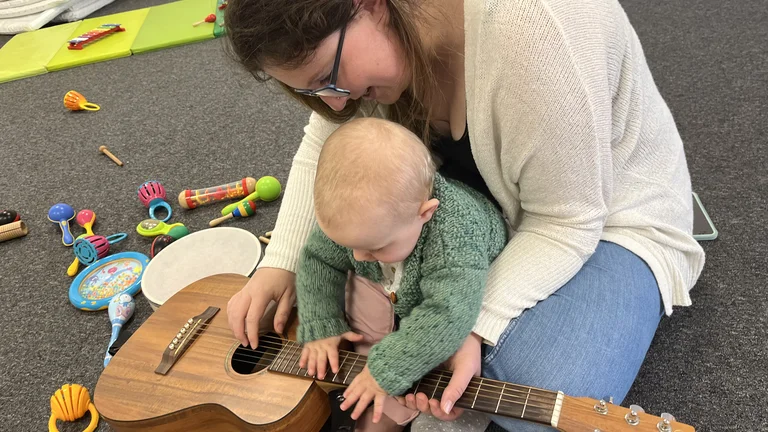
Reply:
x=587 y=339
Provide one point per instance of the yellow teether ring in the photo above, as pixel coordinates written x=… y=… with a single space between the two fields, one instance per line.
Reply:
x=70 y=403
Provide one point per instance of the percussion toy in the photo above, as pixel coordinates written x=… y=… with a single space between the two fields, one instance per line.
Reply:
x=61 y=214
x=109 y=154
x=70 y=403
x=13 y=230
x=190 y=199
x=8 y=216
x=86 y=219
x=267 y=189
x=242 y=210
x=120 y=310
x=265 y=238
x=110 y=276
x=209 y=19
x=154 y=227
x=75 y=101
x=99 y=32
x=92 y=248
x=159 y=243
x=152 y=195
x=201 y=254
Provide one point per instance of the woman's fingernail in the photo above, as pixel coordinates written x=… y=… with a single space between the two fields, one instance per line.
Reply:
x=447 y=407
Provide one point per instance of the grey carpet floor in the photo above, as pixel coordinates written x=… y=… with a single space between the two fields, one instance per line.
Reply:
x=190 y=118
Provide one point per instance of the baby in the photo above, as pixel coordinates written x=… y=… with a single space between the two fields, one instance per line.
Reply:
x=396 y=265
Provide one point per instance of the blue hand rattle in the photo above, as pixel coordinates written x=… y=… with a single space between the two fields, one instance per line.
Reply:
x=120 y=310
x=61 y=214
x=152 y=195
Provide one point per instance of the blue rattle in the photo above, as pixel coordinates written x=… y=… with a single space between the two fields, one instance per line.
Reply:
x=152 y=195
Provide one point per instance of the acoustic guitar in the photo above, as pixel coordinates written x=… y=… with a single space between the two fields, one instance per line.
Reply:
x=183 y=370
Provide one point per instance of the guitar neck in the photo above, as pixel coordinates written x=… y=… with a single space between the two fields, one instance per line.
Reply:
x=482 y=394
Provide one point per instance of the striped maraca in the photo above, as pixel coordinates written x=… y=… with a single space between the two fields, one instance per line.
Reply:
x=120 y=309
x=244 y=209
x=93 y=248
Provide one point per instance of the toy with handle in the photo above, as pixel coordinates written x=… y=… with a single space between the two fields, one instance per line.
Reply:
x=86 y=219
x=9 y=216
x=93 y=248
x=267 y=189
x=61 y=214
x=242 y=210
x=190 y=199
x=154 y=227
x=70 y=403
x=120 y=310
x=152 y=195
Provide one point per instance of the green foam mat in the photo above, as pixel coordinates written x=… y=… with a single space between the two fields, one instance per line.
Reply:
x=110 y=47
x=27 y=53
x=218 y=27
x=170 y=25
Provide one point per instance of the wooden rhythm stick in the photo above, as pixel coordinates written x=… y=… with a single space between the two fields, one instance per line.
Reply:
x=104 y=150
x=265 y=238
x=13 y=230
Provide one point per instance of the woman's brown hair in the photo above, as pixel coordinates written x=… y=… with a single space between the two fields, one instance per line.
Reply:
x=285 y=33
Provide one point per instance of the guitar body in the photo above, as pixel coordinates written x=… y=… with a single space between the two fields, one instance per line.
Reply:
x=201 y=390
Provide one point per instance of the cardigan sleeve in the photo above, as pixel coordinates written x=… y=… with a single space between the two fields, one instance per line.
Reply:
x=551 y=133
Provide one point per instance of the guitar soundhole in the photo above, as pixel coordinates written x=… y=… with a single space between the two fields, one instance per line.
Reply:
x=246 y=361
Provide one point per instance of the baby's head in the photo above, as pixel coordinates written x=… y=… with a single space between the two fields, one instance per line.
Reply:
x=373 y=189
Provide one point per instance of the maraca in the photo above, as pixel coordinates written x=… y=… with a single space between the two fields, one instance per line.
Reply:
x=61 y=214
x=77 y=102
x=159 y=243
x=267 y=189
x=86 y=219
x=93 y=248
x=9 y=216
x=120 y=310
x=209 y=19
x=242 y=210
x=152 y=195
x=154 y=227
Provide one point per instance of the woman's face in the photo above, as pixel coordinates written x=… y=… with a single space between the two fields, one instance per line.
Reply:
x=371 y=65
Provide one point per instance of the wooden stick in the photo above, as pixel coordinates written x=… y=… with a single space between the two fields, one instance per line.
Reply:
x=268 y=234
x=217 y=221
x=104 y=150
x=264 y=240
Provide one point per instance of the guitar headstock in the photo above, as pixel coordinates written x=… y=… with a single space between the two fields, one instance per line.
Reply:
x=590 y=415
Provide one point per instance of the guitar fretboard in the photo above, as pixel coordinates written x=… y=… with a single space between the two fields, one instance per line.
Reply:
x=482 y=394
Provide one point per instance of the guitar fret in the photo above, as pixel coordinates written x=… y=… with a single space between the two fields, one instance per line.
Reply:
x=350 y=370
x=476 y=392
x=279 y=358
x=341 y=366
x=526 y=403
x=296 y=362
x=501 y=395
x=436 y=385
x=288 y=356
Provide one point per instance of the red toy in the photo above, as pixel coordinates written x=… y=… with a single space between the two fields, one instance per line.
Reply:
x=94 y=35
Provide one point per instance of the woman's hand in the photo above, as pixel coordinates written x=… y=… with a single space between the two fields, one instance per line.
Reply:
x=245 y=309
x=465 y=364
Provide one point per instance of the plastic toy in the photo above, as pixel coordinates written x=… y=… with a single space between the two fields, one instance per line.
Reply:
x=120 y=310
x=109 y=154
x=13 y=230
x=70 y=403
x=159 y=243
x=190 y=199
x=86 y=219
x=154 y=227
x=90 y=249
x=98 y=283
x=242 y=210
x=99 y=32
x=8 y=216
x=152 y=195
x=267 y=189
x=209 y=19
x=77 y=102
x=61 y=214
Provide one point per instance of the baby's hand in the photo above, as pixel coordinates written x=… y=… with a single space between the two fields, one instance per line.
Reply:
x=317 y=354
x=363 y=390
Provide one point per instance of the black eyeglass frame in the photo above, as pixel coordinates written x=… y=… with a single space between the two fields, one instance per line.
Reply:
x=330 y=89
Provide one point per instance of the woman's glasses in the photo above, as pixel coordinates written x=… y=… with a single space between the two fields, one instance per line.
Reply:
x=330 y=89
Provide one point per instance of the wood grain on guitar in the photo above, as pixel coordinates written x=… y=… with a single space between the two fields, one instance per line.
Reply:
x=208 y=382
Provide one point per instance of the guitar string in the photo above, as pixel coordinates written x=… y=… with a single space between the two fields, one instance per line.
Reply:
x=281 y=343
x=481 y=390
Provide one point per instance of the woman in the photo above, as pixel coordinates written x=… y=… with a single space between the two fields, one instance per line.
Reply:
x=549 y=107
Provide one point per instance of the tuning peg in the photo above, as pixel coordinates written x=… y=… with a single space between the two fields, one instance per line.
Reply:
x=665 y=425
x=636 y=409
x=631 y=417
x=667 y=416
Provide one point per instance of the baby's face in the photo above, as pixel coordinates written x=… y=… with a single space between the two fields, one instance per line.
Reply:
x=379 y=239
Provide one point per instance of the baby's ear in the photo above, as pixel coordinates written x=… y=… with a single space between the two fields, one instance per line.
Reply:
x=427 y=209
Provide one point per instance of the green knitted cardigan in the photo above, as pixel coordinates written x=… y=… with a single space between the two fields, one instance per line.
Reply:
x=440 y=292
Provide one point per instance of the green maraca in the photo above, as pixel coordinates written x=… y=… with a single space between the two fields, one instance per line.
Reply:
x=267 y=189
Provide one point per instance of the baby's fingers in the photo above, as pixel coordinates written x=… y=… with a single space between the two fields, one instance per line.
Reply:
x=378 y=407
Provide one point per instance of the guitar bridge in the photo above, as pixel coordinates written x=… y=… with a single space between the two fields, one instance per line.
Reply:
x=193 y=328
